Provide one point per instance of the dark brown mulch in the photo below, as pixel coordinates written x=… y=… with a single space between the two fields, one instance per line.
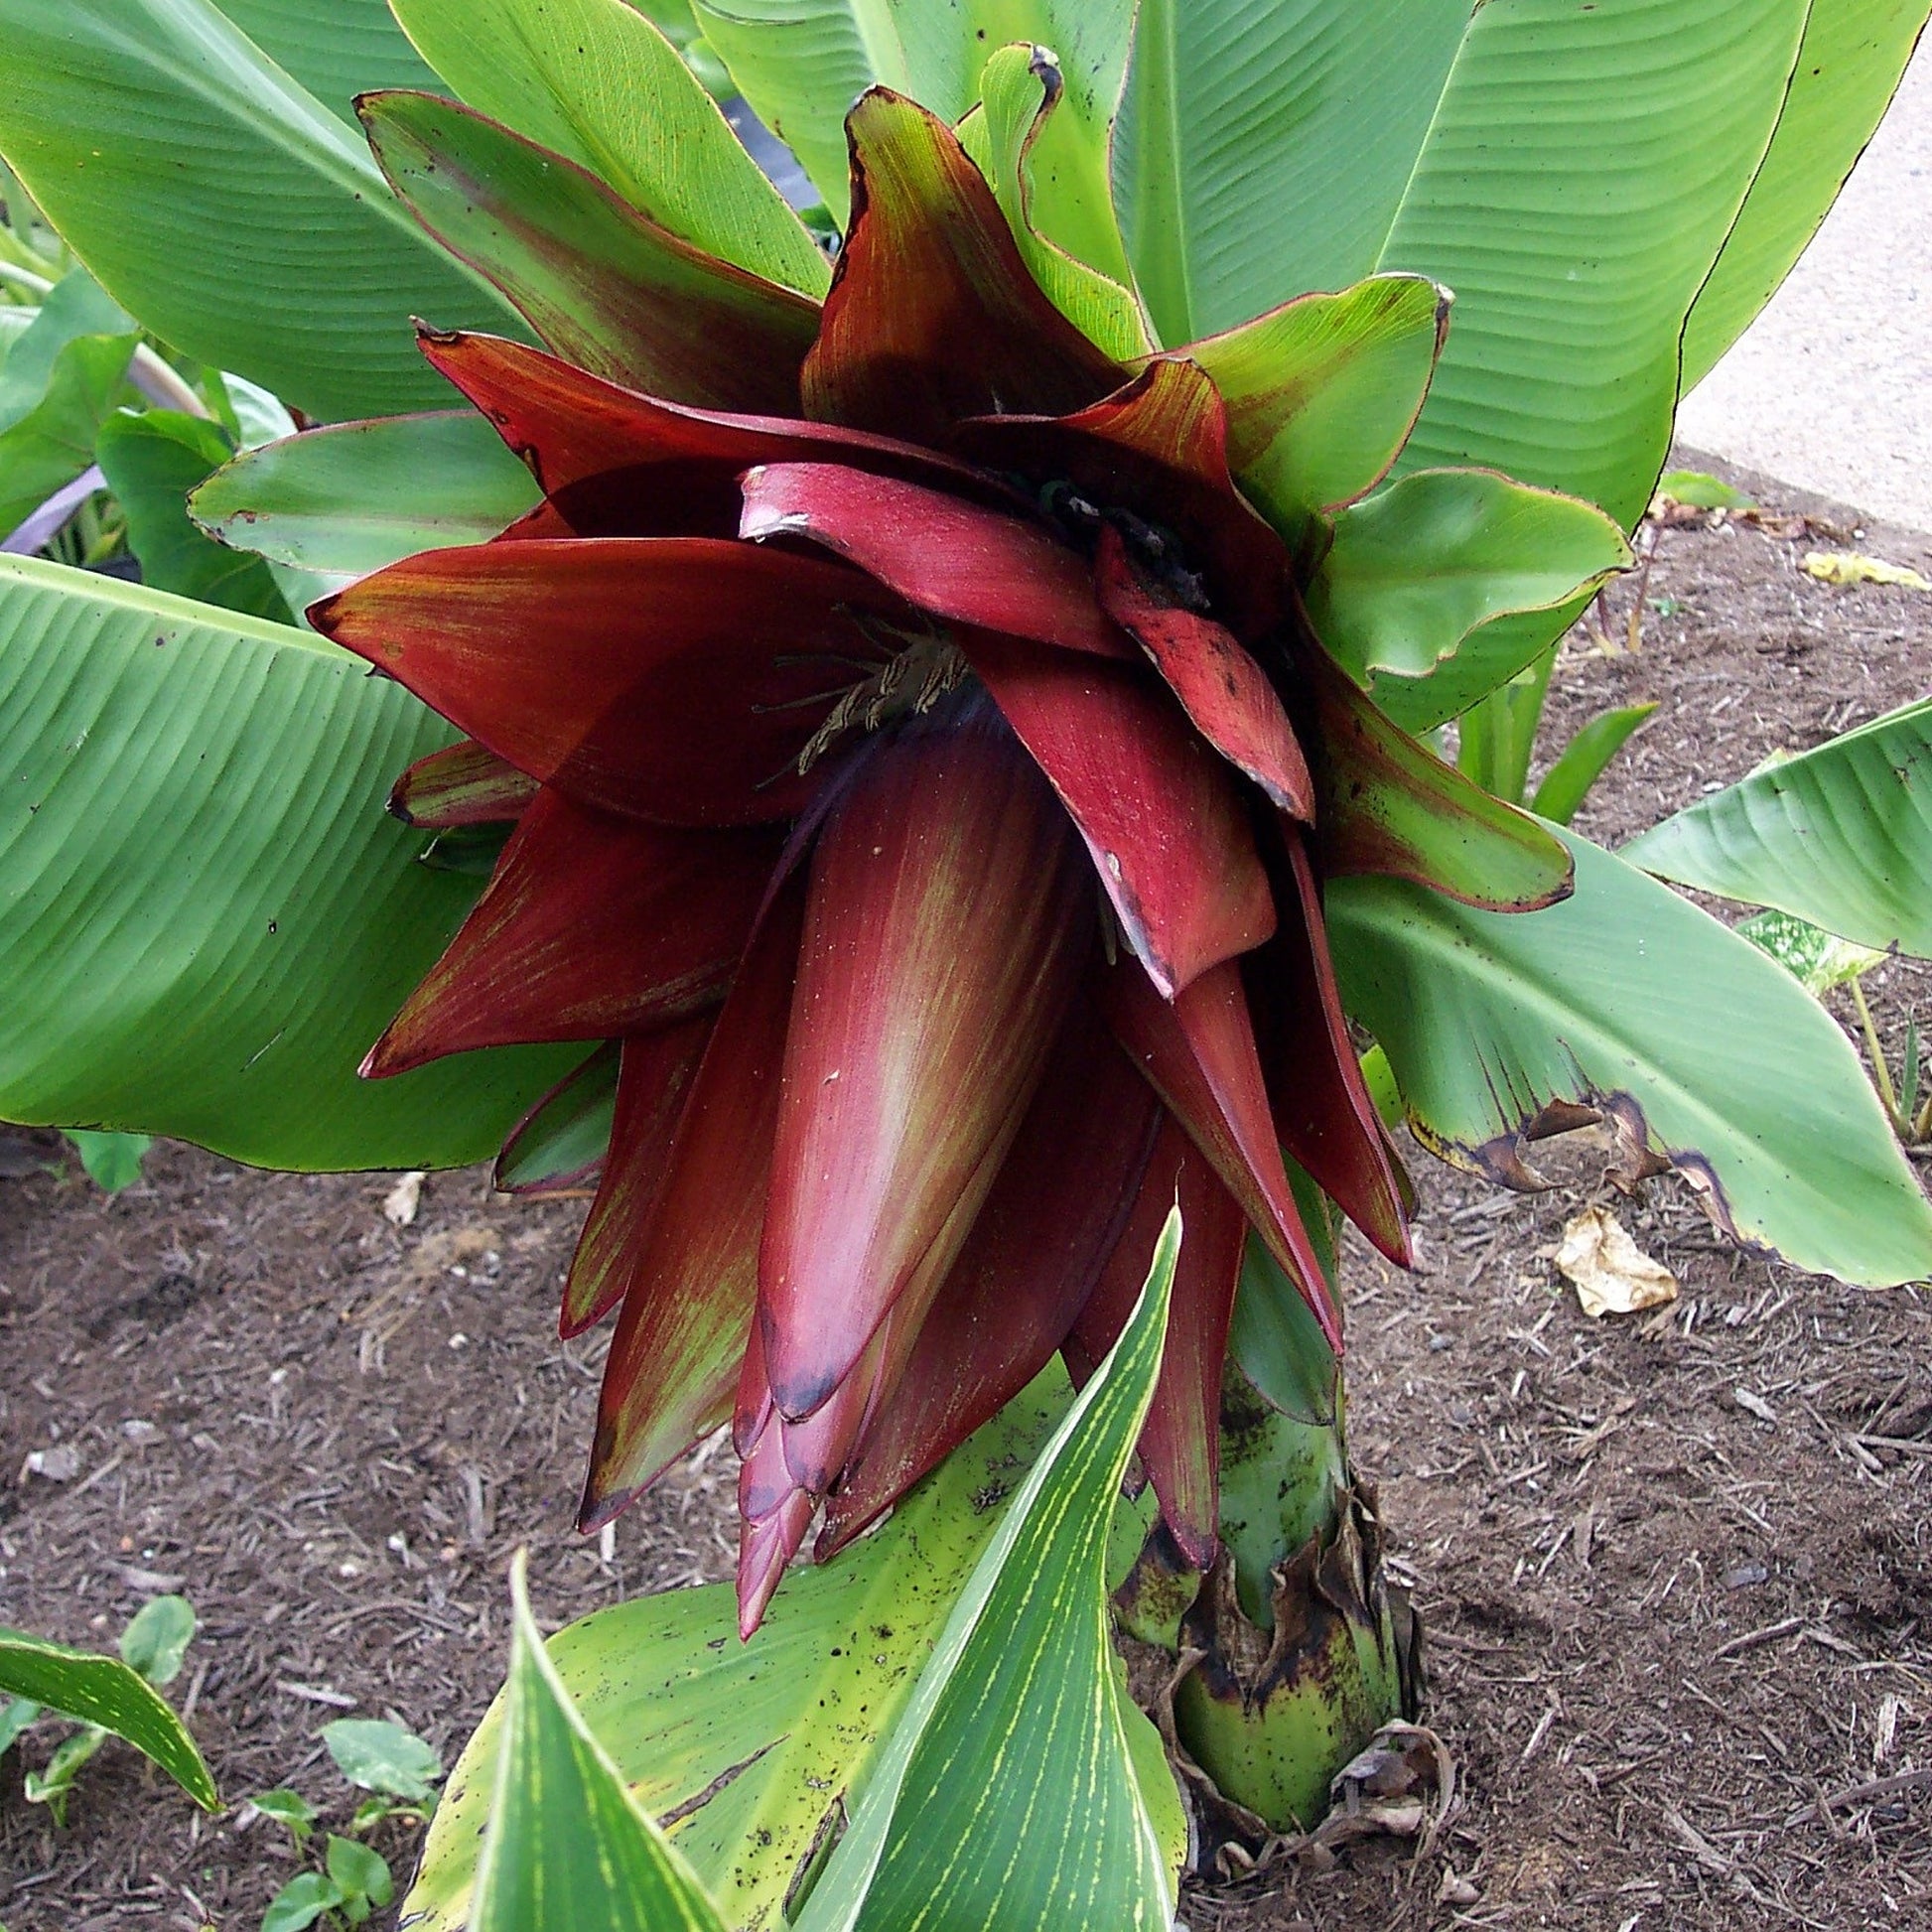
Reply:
x=1678 y=1648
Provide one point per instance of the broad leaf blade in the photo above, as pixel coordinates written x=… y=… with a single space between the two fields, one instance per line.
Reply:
x=52 y=441
x=212 y=788
x=232 y=211
x=566 y=1841
x=560 y=1146
x=595 y=81
x=1629 y=998
x=75 y=306
x=1322 y=391
x=1839 y=836
x=1062 y=155
x=1389 y=806
x=1562 y=370
x=1264 y=145
x=1417 y=567
x=106 y=1691
x=801 y=66
x=350 y=500
x=1021 y=112
x=336 y=50
x=1020 y=1717
x=687 y=1710
x=1274 y=1338
x=1849 y=67
x=1467 y=144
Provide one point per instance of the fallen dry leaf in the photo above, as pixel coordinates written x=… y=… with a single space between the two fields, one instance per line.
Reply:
x=1847 y=567
x=1612 y=1275
x=61 y=1464
x=399 y=1205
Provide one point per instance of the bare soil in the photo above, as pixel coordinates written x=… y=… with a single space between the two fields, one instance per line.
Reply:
x=1675 y=1568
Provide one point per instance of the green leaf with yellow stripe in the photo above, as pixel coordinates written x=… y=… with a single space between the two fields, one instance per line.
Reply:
x=567 y=1844
x=751 y=1755
x=1020 y=1722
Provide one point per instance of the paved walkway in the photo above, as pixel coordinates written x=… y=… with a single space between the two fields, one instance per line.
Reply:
x=1831 y=388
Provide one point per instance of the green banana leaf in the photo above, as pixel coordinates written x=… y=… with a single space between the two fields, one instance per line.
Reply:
x=1848 y=68
x=52 y=441
x=1417 y=567
x=605 y=288
x=1705 y=1053
x=1322 y=393
x=566 y=1839
x=1568 y=376
x=565 y=1139
x=230 y=209
x=111 y=1693
x=1469 y=145
x=350 y=499
x=1021 y=104
x=683 y=1706
x=209 y=916
x=60 y=377
x=74 y=307
x=596 y=82
x=1274 y=1337
x=335 y=48
x=1839 y=836
x=1264 y=147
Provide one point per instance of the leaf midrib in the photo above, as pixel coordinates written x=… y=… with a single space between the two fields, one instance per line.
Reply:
x=164 y=607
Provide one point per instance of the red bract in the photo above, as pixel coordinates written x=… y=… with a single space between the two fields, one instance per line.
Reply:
x=909 y=786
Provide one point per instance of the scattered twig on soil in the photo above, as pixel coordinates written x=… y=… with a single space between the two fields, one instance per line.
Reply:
x=1861 y=1794
x=1752 y=1640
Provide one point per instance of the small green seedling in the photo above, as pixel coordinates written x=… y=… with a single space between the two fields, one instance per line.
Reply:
x=152 y=1646
x=354 y=1881
x=1696 y=489
x=388 y=1761
x=290 y=1810
x=400 y=1772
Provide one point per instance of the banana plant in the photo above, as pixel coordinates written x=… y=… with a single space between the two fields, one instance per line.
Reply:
x=903 y=759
